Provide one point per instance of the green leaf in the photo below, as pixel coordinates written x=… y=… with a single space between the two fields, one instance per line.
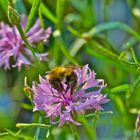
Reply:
x=134 y=85
x=100 y=113
x=26 y=106
x=92 y=89
x=46 y=12
x=80 y=86
x=99 y=51
x=17 y=135
x=13 y=133
x=119 y=104
x=120 y=88
x=3 y=134
x=77 y=45
x=112 y=25
x=132 y=42
x=33 y=13
x=67 y=55
x=134 y=55
x=130 y=3
x=41 y=18
x=24 y=125
x=4 y=6
x=59 y=12
x=23 y=36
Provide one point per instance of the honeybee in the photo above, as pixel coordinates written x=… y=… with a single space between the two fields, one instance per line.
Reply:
x=63 y=74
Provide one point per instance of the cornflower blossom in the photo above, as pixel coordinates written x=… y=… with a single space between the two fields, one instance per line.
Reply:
x=61 y=106
x=138 y=123
x=12 y=45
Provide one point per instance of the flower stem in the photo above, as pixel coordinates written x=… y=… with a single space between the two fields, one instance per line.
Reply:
x=87 y=127
x=27 y=43
x=24 y=125
x=36 y=136
x=93 y=130
x=3 y=134
x=134 y=85
x=74 y=132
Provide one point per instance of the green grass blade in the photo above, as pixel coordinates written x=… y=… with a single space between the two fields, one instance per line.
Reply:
x=120 y=88
x=98 y=29
x=4 y=6
x=134 y=55
x=41 y=18
x=113 y=25
x=33 y=13
x=59 y=12
x=67 y=55
x=46 y=12
x=28 y=125
x=100 y=52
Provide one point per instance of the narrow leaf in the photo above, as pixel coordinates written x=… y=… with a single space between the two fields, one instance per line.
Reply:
x=24 y=125
x=32 y=14
x=121 y=88
x=77 y=45
x=59 y=12
x=46 y=12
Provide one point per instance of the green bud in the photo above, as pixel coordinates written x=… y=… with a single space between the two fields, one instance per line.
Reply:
x=13 y=16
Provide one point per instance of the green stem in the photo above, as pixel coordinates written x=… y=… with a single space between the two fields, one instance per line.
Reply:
x=36 y=136
x=67 y=55
x=105 y=15
x=11 y=3
x=41 y=18
x=104 y=53
x=59 y=12
x=93 y=129
x=3 y=134
x=74 y=132
x=87 y=127
x=121 y=88
x=33 y=12
x=45 y=11
x=136 y=83
x=24 y=125
x=101 y=113
x=134 y=55
x=27 y=43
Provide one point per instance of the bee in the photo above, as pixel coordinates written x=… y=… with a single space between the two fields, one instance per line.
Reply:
x=63 y=74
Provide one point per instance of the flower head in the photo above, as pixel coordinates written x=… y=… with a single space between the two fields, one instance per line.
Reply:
x=138 y=123
x=62 y=105
x=12 y=45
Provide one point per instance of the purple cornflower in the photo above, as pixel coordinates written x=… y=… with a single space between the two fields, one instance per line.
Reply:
x=12 y=45
x=62 y=106
x=138 y=123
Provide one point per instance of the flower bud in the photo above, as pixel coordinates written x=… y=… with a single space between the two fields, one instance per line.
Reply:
x=13 y=16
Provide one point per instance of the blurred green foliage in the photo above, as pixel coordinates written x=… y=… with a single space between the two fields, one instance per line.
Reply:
x=93 y=32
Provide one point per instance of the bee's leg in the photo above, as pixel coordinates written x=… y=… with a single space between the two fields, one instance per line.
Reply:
x=71 y=87
x=52 y=91
x=68 y=87
x=71 y=81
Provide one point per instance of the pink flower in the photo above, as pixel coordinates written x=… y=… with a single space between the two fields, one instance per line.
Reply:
x=12 y=45
x=61 y=106
x=138 y=123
